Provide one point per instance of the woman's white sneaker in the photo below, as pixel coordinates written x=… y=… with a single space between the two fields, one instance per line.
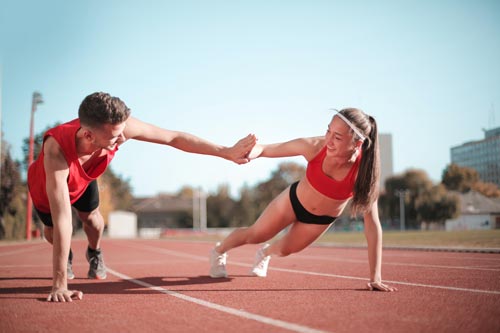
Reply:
x=261 y=263
x=217 y=264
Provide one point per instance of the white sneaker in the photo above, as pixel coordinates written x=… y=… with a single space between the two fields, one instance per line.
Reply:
x=261 y=262
x=217 y=264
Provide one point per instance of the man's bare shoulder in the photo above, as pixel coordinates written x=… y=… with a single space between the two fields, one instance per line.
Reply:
x=54 y=159
x=51 y=147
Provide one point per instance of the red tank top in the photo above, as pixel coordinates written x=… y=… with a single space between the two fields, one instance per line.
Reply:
x=338 y=190
x=78 y=178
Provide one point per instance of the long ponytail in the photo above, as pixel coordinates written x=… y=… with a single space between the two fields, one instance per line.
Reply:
x=366 y=187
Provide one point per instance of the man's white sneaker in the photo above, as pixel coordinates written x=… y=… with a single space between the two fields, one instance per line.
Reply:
x=217 y=264
x=261 y=262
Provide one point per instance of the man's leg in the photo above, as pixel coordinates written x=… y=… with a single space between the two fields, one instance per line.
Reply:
x=47 y=233
x=93 y=225
x=87 y=207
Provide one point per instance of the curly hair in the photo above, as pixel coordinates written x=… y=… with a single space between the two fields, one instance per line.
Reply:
x=101 y=108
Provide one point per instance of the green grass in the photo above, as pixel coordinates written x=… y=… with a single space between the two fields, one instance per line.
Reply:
x=474 y=239
x=467 y=239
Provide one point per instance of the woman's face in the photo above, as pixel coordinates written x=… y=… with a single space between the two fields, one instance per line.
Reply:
x=338 y=139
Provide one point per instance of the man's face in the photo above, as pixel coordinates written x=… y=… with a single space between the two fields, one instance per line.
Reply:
x=108 y=136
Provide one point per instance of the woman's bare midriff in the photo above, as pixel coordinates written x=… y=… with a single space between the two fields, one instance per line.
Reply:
x=317 y=203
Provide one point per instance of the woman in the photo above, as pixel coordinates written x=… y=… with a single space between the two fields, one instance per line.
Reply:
x=342 y=165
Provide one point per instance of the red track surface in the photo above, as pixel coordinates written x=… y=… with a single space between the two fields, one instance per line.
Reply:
x=162 y=286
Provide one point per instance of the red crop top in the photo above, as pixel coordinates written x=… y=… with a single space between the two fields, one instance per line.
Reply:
x=334 y=189
x=78 y=178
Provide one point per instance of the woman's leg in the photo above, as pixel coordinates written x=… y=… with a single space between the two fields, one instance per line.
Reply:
x=300 y=236
x=277 y=215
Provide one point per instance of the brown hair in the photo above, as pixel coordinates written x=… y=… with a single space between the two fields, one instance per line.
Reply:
x=101 y=108
x=366 y=186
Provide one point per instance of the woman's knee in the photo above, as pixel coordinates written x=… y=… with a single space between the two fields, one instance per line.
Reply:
x=286 y=247
x=256 y=236
x=284 y=251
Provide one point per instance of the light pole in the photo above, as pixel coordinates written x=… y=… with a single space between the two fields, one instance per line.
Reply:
x=37 y=99
x=203 y=210
x=402 y=195
x=196 y=208
x=199 y=209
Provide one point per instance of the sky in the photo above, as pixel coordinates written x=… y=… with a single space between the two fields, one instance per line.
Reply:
x=427 y=71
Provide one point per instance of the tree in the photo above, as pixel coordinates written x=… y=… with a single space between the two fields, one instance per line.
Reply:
x=286 y=174
x=416 y=182
x=219 y=208
x=437 y=205
x=10 y=179
x=463 y=179
x=115 y=193
x=253 y=201
x=245 y=211
x=12 y=197
x=489 y=190
x=186 y=192
x=37 y=145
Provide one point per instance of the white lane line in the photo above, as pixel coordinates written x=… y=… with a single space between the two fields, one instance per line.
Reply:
x=222 y=308
x=493 y=292
x=24 y=250
x=439 y=255
x=201 y=258
x=364 y=262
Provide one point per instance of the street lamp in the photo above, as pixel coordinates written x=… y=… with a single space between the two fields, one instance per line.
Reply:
x=199 y=209
x=402 y=195
x=37 y=99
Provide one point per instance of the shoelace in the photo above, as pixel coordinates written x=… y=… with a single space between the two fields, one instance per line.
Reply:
x=262 y=260
x=96 y=262
x=221 y=260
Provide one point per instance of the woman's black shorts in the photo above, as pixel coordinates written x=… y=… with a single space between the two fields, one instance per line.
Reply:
x=302 y=214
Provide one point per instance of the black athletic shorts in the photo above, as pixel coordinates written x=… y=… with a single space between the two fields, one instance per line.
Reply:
x=86 y=203
x=302 y=214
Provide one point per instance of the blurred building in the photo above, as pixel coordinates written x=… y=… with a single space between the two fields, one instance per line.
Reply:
x=386 y=167
x=482 y=155
x=477 y=212
x=163 y=211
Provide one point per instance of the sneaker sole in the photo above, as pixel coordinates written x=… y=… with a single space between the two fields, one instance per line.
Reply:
x=218 y=276
x=257 y=274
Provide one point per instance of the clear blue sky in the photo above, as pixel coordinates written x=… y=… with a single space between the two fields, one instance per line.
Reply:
x=428 y=71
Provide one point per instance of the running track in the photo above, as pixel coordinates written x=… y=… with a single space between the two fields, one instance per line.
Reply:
x=162 y=286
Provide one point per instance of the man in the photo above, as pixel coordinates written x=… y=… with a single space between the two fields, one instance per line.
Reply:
x=74 y=155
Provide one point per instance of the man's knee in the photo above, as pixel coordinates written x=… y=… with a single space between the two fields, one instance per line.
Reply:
x=47 y=233
x=93 y=218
